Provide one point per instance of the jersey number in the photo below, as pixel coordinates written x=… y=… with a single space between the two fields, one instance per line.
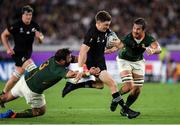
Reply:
x=42 y=66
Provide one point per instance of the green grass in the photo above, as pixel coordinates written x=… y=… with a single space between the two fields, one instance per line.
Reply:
x=158 y=104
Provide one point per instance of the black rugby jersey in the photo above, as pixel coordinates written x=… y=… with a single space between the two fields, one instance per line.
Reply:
x=23 y=35
x=96 y=40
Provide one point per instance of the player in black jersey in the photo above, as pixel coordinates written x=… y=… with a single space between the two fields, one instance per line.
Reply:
x=23 y=32
x=92 y=54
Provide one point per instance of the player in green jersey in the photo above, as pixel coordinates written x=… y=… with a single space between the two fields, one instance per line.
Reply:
x=32 y=85
x=131 y=62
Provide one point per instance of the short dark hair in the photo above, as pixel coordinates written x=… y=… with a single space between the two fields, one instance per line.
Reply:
x=27 y=8
x=103 y=16
x=62 y=54
x=140 y=21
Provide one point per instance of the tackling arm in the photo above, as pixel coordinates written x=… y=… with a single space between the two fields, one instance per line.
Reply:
x=83 y=54
x=92 y=71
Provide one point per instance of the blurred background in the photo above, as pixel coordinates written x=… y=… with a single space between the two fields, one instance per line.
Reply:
x=64 y=23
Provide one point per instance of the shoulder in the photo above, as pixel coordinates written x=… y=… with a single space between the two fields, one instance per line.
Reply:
x=127 y=37
x=149 y=37
x=92 y=30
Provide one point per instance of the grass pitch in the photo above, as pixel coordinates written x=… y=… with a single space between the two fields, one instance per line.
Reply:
x=158 y=104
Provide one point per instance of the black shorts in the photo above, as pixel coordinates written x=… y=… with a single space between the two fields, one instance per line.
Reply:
x=101 y=64
x=20 y=57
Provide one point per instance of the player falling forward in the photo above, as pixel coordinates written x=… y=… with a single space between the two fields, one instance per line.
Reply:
x=32 y=85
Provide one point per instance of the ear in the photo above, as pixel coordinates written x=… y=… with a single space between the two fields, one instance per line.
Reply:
x=61 y=62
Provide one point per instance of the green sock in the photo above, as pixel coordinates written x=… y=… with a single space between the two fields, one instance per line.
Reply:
x=25 y=114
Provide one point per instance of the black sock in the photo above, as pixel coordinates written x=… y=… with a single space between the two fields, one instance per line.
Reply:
x=130 y=100
x=25 y=114
x=118 y=98
x=87 y=84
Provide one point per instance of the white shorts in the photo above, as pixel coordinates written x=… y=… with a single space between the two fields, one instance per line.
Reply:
x=74 y=67
x=22 y=90
x=137 y=67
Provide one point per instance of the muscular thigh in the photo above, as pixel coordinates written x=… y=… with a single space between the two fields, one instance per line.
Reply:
x=125 y=70
x=22 y=90
x=101 y=64
x=138 y=71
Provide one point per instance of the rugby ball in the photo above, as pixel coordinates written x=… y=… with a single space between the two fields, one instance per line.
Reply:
x=110 y=37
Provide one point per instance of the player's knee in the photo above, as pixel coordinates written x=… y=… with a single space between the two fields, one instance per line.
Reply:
x=129 y=85
x=29 y=67
x=17 y=75
x=136 y=90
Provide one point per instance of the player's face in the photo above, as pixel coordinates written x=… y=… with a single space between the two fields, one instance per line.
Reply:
x=137 y=31
x=68 y=60
x=103 y=26
x=27 y=17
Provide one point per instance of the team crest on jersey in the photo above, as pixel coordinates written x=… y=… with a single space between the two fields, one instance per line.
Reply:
x=33 y=30
x=143 y=46
x=21 y=30
x=23 y=59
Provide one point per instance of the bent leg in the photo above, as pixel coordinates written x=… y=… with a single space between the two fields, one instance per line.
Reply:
x=6 y=97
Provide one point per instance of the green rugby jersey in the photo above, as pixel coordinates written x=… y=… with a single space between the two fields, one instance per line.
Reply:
x=45 y=76
x=133 y=51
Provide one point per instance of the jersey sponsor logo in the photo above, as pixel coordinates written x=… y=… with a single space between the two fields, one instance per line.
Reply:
x=27 y=32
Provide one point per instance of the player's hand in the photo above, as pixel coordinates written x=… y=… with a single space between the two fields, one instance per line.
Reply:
x=40 y=36
x=78 y=77
x=10 y=52
x=150 y=50
x=94 y=71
